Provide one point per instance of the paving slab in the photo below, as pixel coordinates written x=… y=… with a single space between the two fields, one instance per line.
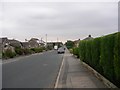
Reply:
x=75 y=75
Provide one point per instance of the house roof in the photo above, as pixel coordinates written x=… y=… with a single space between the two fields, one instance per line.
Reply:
x=4 y=40
x=25 y=44
x=0 y=40
x=33 y=39
x=76 y=41
x=33 y=43
x=88 y=38
x=14 y=43
x=41 y=41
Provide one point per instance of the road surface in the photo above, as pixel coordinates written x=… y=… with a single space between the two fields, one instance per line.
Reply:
x=35 y=71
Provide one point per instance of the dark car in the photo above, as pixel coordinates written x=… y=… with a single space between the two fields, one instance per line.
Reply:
x=61 y=50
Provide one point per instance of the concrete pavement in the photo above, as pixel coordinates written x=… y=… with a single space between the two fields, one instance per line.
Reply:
x=75 y=75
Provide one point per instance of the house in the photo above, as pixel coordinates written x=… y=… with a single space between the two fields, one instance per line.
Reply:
x=15 y=43
x=0 y=45
x=5 y=45
x=4 y=41
x=41 y=43
x=76 y=42
x=88 y=38
x=25 y=45
x=34 y=43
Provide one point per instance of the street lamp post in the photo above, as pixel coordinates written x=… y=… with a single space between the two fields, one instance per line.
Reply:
x=46 y=41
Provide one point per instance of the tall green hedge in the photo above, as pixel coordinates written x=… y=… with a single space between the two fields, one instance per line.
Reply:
x=88 y=56
x=103 y=54
x=95 y=52
x=107 y=55
x=117 y=58
x=82 y=50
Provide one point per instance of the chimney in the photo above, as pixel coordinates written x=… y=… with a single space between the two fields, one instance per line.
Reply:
x=89 y=36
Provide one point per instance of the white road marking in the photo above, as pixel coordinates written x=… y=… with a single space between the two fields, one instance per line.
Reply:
x=58 y=77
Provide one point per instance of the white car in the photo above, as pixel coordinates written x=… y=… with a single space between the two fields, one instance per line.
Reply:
x=61 y=50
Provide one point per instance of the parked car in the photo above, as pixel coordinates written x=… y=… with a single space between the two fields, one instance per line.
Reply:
x=61 y=50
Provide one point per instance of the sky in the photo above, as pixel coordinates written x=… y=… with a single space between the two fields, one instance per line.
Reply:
x=65 y=20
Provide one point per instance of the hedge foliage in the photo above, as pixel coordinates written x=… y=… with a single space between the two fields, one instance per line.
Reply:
x=76 y=51
x=95 y=53
x=8 y=54
x=117 y=58
x=69 y=44
x=82 y=50
x=107 y=56
x=37 y=50
x=21 y=51
x=103 y=54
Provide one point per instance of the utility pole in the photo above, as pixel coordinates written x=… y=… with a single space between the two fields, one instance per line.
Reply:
x=57 y=42
x=41 y=40
x=46 y=40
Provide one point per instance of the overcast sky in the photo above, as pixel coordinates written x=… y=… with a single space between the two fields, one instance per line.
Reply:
x=63 y=20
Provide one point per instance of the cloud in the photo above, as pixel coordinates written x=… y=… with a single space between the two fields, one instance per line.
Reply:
x=64 y=20
x=60 y=0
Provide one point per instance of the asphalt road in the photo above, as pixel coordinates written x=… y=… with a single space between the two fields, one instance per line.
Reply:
x=36 y=71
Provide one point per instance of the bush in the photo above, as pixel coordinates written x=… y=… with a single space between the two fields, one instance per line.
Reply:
x=49 y=47
x=71 y=50
x=76 y=51
x=117 y=58
x=69 y=44
x=0 y=55
x=8 y=54
x=19 y=51
x=43 y=48
x=37 y=50
x=27 y=51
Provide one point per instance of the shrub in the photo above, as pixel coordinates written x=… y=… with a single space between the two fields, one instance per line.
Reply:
x=8 y=54
x=69 y=44
x=43 y=48
x=0 y=55
x=19 y=51
x=27 y=51
x=37 y=50
x=49 y=47
x=76 y=51
x=117 y=58
x=107 y=56
x=71 y=50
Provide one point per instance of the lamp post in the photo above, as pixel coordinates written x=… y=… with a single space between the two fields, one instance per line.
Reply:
x=46 y=41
